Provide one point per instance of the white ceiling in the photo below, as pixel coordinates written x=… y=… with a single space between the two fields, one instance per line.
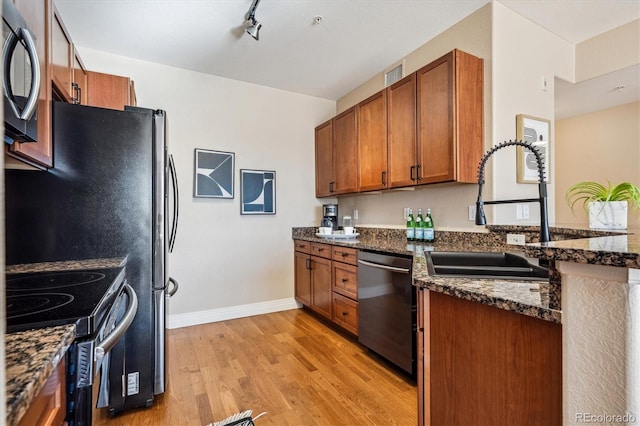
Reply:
x=356 y=39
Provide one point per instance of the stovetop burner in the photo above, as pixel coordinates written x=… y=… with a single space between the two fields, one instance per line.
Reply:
x=33 y=304
x=52 y=280
x=45 y=299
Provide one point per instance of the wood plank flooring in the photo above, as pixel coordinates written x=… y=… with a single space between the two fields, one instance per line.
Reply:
x=289 y=364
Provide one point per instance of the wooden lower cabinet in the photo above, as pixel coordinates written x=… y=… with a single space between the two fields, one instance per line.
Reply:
x=49 y=407
x=326 y=281
x=484 y=365
x=313 y=276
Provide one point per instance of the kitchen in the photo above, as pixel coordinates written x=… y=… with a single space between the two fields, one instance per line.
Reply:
x=208 y=249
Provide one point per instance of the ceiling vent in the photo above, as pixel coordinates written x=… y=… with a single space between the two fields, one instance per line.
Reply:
x=393 y=75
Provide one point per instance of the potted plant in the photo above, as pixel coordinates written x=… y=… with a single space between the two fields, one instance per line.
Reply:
x=606 y=205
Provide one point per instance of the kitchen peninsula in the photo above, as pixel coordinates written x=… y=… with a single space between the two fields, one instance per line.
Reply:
x=563 y=378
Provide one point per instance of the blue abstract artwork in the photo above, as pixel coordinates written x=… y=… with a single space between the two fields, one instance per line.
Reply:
x=257 y=191
x=213 y=174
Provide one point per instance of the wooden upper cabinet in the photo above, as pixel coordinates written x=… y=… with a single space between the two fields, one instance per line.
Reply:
x=372 y=142
x=324 y=159
x=80 y=82
x=40 y=153
x=402 y=158
x=109 y=91
x=345 y=152
x=450 y=118
x=426 y=128
x=61 y=59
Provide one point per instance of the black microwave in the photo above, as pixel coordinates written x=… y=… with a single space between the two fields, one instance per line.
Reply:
x=21 y=77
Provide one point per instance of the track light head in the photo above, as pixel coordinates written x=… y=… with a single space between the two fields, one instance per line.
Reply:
x=254 y=29
x=254 y=26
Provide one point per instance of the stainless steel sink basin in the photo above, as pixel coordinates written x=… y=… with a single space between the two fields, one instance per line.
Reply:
x=484 y=265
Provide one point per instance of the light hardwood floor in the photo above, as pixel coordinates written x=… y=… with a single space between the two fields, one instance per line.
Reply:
x=289 y=364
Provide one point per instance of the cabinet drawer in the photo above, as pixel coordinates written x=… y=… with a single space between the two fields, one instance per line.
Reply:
x=345 y=254
x=302 y=246
x=345 y=313
x=321 y=250
x=345 y=279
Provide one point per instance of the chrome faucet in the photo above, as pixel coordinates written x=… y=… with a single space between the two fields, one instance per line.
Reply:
x=542 y=188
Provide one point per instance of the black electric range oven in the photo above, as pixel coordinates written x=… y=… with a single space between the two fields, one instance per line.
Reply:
x=101 y=305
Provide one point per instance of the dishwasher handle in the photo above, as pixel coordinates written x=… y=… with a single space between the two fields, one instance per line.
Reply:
x=385 y=267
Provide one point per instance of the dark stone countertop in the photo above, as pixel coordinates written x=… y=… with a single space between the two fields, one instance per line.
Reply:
x=31 y=356
x=529 y=298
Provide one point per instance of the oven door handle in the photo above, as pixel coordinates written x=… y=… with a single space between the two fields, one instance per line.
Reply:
x=386 y=267
x=107 y=344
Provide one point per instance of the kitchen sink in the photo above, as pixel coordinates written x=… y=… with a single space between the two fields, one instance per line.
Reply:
x=484 y=265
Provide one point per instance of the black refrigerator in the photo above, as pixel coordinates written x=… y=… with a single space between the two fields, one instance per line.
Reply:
x=111 y=193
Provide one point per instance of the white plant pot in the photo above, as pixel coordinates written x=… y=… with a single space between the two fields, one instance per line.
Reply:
x=608 y=215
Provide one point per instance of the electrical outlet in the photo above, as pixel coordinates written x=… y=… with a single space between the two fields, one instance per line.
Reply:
x=517 y=239
x=406 y=213
x=522 y=211
x=472 y=212
x=355 y=214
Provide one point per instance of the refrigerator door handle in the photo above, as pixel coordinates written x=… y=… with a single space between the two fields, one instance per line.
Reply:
x=176 y=202
x=174 y=290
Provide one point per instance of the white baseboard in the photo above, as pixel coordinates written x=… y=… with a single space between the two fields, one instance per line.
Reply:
x=232 y=312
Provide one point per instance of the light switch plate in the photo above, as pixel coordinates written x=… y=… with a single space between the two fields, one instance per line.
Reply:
x=472 y=212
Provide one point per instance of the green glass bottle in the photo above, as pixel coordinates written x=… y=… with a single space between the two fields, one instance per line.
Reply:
x=429 y=230
x=411 y=227
x=419 y=233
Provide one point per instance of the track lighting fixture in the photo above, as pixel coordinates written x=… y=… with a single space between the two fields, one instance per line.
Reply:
x=254 y=26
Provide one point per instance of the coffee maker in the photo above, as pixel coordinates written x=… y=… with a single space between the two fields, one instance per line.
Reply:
x=330 y=216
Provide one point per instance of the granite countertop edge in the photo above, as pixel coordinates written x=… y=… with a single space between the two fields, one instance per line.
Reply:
x=30 y=358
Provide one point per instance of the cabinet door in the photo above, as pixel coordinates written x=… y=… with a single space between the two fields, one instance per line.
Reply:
x=450 y=118
x=401 y=100
x=302 y=264
x=61 y=59
x=36 y=15
x=372 y=142
x=345 y=153
x=435 y=121
x=108 y=91
x=324 y=159
x=469 y=115
x=321 y=293
x=79 y=84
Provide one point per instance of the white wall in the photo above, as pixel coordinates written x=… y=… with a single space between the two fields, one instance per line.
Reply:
x=222 y=259
x=523 y=53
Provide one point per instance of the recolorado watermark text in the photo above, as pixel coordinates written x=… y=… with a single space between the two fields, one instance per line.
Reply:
x=605 y=418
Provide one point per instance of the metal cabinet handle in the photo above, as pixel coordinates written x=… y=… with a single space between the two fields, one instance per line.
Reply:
x=412 y=172
x=76 y=90
x=107 y=344
x=384 y=178
x=344 y=280
x=419 y=174
x=308 y=263
x=34 y=93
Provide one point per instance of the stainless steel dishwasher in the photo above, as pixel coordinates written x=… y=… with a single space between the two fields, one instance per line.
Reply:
x=387 y=308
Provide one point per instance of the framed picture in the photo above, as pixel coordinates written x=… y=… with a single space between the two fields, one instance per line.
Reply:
x=213 y=174
x=257 y=191
x=536 y=131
